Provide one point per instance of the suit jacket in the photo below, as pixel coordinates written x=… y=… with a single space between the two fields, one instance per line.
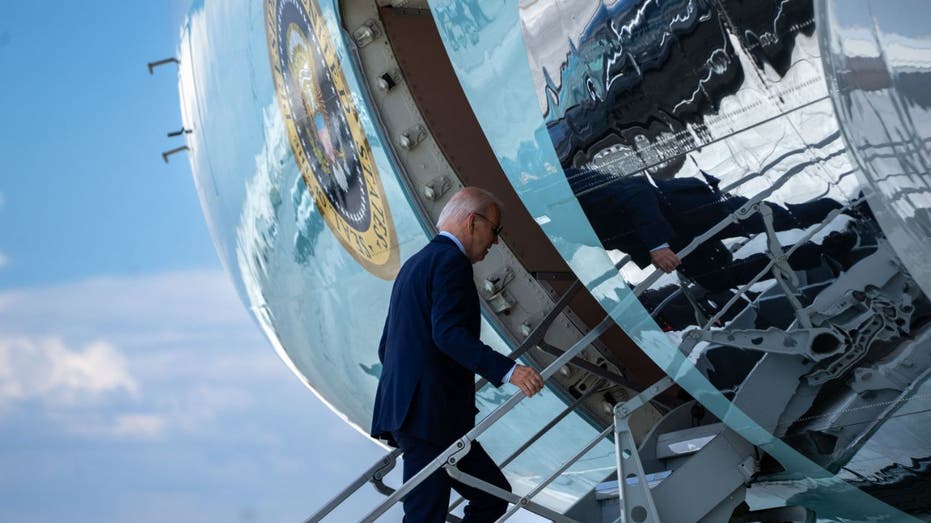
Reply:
x=634 y=216
x=430 y=349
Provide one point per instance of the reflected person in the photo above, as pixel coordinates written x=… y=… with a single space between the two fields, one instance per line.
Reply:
x=430 y=351
x=651 y=220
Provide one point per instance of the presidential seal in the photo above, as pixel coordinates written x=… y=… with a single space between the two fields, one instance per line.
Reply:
x=326 y=134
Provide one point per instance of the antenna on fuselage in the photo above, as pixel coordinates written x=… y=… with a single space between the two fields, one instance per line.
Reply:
x=153 y=65
x=168 y=153
x=183 y=131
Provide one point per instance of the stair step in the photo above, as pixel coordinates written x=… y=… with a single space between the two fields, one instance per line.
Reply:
x=687 y=441
x=609 y=490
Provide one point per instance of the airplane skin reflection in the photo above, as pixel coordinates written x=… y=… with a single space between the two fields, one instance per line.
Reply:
x=328 y=137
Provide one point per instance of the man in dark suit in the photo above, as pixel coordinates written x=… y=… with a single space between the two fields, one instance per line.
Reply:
x=430 y=351
x=652 y=219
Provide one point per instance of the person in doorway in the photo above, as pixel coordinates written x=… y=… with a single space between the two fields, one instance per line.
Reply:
x=651 y=220
x=430 y=351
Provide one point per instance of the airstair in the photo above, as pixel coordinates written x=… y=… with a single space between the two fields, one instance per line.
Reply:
x=691 y=466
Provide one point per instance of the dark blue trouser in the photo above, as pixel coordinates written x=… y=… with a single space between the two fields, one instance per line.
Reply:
x=429 y=502
x=713 y=266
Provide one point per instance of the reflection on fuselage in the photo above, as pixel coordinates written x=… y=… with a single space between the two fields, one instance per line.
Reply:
x=657 y=92
x=706 y=129
x=644 y=78
x=879 y=62
x=312 y=220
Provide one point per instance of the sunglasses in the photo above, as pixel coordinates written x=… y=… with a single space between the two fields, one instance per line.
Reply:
x=495 y=229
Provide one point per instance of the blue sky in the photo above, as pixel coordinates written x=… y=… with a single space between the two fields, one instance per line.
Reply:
x=133 y=384
x=85 y=190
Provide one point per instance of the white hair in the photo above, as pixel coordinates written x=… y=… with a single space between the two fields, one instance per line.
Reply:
x=466 y=201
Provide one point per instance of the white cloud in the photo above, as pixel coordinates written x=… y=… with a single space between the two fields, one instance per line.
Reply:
x=130 y=426
x=181 y=356
x=205 y=379
x=127 y=303
x=49 y=371
x=102 y=422
x=202 y=405
x=145 y=425
x=166 y=324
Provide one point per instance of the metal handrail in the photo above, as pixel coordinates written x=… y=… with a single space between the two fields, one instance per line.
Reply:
x=588 y=366
x=539 y=332
x=556 y=473
x=449 y=457
x=462 y=446
x=386 y=462
x=539 y=434
x=628 y=407
x=506 y=495
x=804 y=238
x=627 y=458
x=741 y=213
x=749 y=208
x=389 y=460
x=777 y=256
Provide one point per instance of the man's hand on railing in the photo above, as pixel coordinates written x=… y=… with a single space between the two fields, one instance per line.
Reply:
x=665 y=260
x=527 y=380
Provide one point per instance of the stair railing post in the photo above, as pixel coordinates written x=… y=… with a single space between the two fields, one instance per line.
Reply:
x=636 y=501
x=377 y=470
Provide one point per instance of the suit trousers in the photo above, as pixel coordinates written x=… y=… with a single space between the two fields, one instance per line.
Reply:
x=713 y=266
x=429 y=501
